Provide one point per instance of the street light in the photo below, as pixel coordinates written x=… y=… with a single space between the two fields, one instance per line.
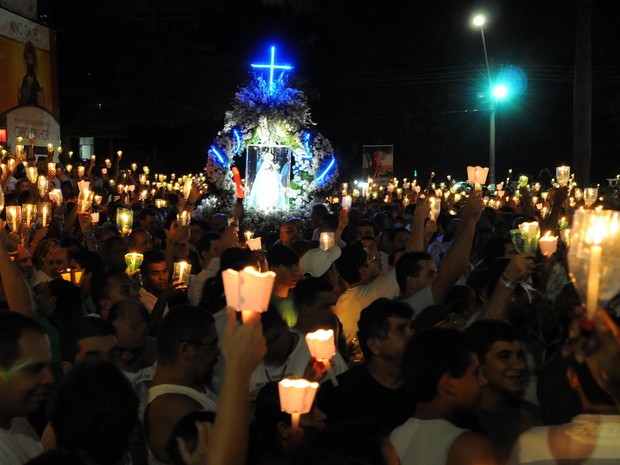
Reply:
x=497 y=92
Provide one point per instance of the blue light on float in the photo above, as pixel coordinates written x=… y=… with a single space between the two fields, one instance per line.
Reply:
x=306 y=136
x=238 y=140
x=327 y=170
x=271 y=66
x=218 y=155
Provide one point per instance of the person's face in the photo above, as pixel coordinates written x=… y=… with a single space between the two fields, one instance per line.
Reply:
x=468 y=387
x=22 y=186
x=219 y=223
x=363 y=231
x=150 y=223
x=121 y=287
x=195 y=234
x=141 y=242
x=204 y=355
x=505 y=368
x=24 y=261
x=290 y=233
x=46 y=301
x=131 y=343
x=400 y=240
x=24 y=385
x=287 y=276
x=56 y=261
x=427 y=276
x=95 y=348
x=509 y=250
x=158 y=276
x=392 y=347
x=115 y=255
x=371 y=269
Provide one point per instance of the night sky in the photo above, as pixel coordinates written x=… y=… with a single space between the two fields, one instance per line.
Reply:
x=402 y=73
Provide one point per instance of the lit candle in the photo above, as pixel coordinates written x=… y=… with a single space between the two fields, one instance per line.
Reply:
x=50 y=148
x=248 y=236
x=44 y=215
x=326 y=240
x=133 y=260
x=51 y=167
x=562 y=175
x=30 y=211
x=183 y=218
x=296 y=398
x=255 y=244
x=322 y=347
x=248 y=290
x=346 y=202
x=548 y=244
x=31 y=173
x=81 y=171
x=181 y=272
x=94 y=217
x=435 y=205
x=13 y=212
x=134 y=167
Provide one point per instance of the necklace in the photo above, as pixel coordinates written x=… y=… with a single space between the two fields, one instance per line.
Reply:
x=277 y=378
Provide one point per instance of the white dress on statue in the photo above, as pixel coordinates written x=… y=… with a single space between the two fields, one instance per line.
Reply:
x=267 y=192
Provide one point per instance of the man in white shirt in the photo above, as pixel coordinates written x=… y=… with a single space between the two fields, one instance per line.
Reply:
x=25 y=380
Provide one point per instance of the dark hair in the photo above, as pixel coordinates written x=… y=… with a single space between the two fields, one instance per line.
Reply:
x=124 y=308
x=430 y=354
x=68 y=302
x=81 y=328
x=147 y=212
x=351 y=259
x=330 y=221
x=101 y=287
x=204 y=243
x=151 y=257
x=373 y=320
x=95 y=401
x=281 y=255
x=485 y=333
x=12 y=326
x=186 y=429
x=372 y=223
x=89 y=261
x=409 y=265
x=182 y=323
x=307 y=289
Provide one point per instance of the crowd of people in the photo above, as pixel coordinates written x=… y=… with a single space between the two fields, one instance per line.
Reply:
x=452 y=347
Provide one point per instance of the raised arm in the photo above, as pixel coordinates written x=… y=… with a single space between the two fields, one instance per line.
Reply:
x=16 y=288
x=457 y=257
x=416 y=238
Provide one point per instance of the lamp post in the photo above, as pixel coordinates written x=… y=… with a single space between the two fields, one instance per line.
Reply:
x=479 y=21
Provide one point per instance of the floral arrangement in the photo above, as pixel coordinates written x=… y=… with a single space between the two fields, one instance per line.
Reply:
x=275 y=114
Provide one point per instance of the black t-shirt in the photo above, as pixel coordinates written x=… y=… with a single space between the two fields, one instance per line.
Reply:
x=360 y=396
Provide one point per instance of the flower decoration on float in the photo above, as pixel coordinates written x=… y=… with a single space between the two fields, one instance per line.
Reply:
x=268 y=112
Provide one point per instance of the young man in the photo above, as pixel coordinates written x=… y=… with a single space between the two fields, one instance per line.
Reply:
x=504 y=414
x=442 y=373
x=25 y=380
x=374 y=390
x=284 y=262
x=187 y=346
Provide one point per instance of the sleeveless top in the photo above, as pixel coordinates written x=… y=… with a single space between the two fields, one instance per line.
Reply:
x=207 y=400
x=424 y=442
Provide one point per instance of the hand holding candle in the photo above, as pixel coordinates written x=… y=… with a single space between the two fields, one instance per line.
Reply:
x=548 y=244
x=248 y=290
x=323 y=347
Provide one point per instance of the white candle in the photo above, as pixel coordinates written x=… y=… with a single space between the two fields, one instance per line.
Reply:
x=44 y=215
x=327 y=240
x=594 y=270
x=548 y=244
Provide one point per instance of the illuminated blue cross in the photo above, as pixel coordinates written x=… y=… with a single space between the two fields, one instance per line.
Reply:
x=271 y=67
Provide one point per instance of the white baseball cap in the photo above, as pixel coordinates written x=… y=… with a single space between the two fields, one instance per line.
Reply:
x=315 y=262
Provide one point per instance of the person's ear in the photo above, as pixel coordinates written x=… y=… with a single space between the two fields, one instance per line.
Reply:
x=374 y=345
x=447 y=385
x=66 y=367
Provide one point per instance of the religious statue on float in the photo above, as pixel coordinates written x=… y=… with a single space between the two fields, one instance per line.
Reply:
x=268 y=190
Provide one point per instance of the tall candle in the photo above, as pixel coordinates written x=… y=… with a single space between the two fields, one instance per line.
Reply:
x=594 y=270
x=44 y=214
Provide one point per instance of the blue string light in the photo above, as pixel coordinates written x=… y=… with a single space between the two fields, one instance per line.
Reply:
x=238 y=140
x=218 y=155
x=306 y=136
x=327 y=170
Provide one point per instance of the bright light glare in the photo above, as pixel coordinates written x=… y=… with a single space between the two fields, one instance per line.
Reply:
x=479 y=20
x=500 y=91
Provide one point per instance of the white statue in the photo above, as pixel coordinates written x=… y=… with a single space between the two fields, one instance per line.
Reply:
x=267 y=191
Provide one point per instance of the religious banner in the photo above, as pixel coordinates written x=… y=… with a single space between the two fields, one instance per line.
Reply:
x=28 y=100
x=378 y=161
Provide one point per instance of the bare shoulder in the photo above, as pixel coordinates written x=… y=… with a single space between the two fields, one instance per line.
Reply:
x=472 y=448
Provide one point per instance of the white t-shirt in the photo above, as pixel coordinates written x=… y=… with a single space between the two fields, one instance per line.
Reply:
x=351 y=303
x=19 y=444
x=197 y=283
x=420 y=300
x=588 y=440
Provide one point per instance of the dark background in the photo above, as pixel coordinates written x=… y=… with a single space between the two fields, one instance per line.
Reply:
x=155 y=78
